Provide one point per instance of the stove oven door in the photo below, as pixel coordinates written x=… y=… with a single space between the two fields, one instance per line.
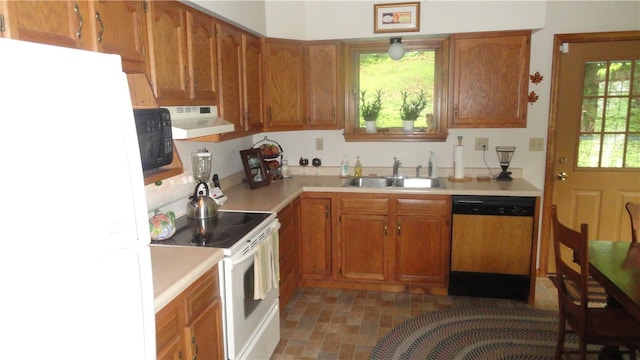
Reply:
x=250 y=323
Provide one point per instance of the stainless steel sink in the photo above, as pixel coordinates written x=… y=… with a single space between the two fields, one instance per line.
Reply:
x=370 y=182
x=401 y=182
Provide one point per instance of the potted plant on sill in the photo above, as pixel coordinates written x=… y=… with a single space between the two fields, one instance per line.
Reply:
x=411 y=108
x=370 y=110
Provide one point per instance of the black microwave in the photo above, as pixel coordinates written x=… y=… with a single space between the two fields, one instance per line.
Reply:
x=154 y=137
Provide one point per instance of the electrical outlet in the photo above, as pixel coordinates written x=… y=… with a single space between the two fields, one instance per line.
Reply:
x=319 y=144
x=480 y=142
x=536 y=144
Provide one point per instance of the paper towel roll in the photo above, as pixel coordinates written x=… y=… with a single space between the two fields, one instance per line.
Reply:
x=458 y=161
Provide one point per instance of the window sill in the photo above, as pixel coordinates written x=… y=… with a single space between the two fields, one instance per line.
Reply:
x=388 y=136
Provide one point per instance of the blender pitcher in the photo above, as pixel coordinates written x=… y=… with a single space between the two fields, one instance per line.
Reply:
x=201 y=205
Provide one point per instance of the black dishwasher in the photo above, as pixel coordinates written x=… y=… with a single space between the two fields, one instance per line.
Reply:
x=491 y=246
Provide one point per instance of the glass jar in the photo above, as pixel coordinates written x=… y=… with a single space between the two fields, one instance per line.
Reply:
x=284 y=169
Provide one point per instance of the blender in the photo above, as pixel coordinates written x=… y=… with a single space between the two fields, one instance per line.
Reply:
x=201 y=205
x=504 y=157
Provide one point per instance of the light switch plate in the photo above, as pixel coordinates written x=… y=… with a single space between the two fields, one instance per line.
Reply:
x=319 y=144
x=536 y=144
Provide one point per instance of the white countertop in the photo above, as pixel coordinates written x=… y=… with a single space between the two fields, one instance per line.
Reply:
x=175 y=268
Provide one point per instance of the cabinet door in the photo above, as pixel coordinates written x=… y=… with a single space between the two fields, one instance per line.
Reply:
x=323 y=86
x=315 y=237
x=121 y=29
x=363 y=246
x=289 y=269
x=284 y=76
x=252 y=82
x=203 y=335
x=169 y=341
x=167 y=40
x=230 y=67
x=422 y=249
x=202 y=57
x=490 y=79
x=423 y=240
x=60 y=23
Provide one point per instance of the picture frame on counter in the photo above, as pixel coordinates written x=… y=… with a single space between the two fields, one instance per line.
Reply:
x=254 y=169
x=396 y=17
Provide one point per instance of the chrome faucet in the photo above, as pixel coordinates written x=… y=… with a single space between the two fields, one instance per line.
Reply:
x=418 y=171
x=396 y=165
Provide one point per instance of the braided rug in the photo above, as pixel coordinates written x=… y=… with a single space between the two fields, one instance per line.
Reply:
x=473 y=333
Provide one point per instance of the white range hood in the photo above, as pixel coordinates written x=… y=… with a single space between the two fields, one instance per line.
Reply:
x=194 y=121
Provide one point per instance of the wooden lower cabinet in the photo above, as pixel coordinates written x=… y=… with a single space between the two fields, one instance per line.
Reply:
x=386 y=242
x=289 y=270
x=423 y=240
x=316 y=245
x=190 y=326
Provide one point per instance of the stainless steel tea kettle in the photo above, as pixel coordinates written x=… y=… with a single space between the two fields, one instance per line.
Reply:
x=201 y=205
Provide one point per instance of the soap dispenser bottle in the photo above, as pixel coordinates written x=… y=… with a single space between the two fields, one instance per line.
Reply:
x=433 y=166
x=357 y=168
x=344 y=167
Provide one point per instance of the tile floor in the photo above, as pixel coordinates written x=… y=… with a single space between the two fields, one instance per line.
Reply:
x=344 y=324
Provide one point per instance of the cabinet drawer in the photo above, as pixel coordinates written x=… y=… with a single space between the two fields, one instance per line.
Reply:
x=363 y=205
x=201 y=294
x=439 y=205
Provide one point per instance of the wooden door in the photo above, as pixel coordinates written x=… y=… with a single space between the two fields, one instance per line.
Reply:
x=422 y=249
x=204 y=334
x=202 y=57
x=230 y=70
x=315 y=238
x=593 y=164
x=252 y=82
x=490 y=78
x=168 y=48
x=60 y=23
x=363 y=244
x=285 y=103
x=120 y=28
x=323 y=85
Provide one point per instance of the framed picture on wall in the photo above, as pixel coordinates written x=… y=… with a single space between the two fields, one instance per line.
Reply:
x=254 y=168
x=397 y=17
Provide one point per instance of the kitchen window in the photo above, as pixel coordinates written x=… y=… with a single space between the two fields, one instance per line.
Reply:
x=371 y=73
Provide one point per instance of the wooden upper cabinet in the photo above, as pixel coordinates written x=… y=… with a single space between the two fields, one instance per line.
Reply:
x=202 y=56
x=284 y=84
x=121 y=28
x=489 y=80
x=324 y=71
x=166 y=22
x=230 y=68
x=112 y=27
x=252 y=82
x=60 y=23
x=182 y=54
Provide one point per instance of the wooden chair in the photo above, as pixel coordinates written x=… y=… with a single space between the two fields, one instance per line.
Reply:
x=603 y=326
x=634 y=214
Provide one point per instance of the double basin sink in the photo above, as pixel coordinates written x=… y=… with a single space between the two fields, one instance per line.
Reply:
x=394 y=182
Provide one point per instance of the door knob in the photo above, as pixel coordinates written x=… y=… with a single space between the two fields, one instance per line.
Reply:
x=562 y=176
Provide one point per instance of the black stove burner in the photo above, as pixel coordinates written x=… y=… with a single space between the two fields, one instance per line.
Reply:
x=222 y=232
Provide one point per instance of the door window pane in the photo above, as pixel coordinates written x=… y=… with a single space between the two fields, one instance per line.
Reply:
x=616 y=119
x=592 y=110
x=589 y=151
x=612 y=151
x=633 y=152
x=619 y=78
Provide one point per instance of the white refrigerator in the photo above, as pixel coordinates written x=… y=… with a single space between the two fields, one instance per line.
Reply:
x=75 y=265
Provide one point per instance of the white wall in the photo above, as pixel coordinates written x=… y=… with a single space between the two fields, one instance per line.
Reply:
x=312 y=20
